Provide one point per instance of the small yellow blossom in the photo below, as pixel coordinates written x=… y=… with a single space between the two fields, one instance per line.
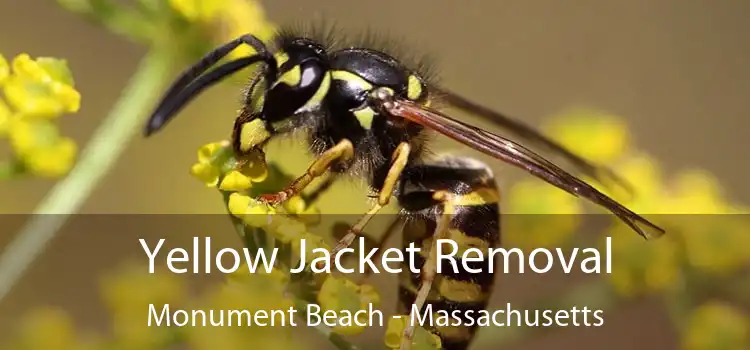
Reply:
x=41 y=88
x=252 y=212
x=312 y=242
x=43 y=69
x=4 y=69
x=643 y=173
x=540 y=215
x=536 y=197
x=133 y=288
x=37 y=91
x=715 y=243
x=235 y=181
x=340 y=294
x=304 y=213
x=128 y=292
x=38 y=144
x=215 y=162
x=716 y=325
x=295 y=205
x=277 y=279
x=207 y=152
x=423 y=339
x=287 y=230
x=269 y=288
x=53 y=161
x=238 y=204
x=56 y=327
x=206 y=173
x=640 y=266
x=240 y=17
x=232 y=18
x=198 y=10
x=256 y=292
x=597 y=136
x=6 y=116
x=697 y=192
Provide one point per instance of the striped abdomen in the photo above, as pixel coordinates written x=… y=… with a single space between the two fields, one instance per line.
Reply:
x=475 y=223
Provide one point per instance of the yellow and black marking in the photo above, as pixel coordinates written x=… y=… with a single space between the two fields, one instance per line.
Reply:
x=470 y=201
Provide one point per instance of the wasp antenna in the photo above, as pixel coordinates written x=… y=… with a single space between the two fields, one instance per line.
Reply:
x=170 y=107
x=190 y=81
x=650 y=231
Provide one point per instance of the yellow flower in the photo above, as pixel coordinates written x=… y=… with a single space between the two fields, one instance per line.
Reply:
x=198 y=10
x=6 y=116
x=207 y=152
x=252 y=293
x=41 y=88
x=312 y=242
x=206 y=173
x=537 y=197
x=235 y=181
x=295 y=205
x=287 y=230
x=276 y=280
x=131 y=288
x=640 y=266
x=240 y=17
x=697 y=192
x=339 y=294
x=541 y=215
x=716 y=325
x=643 y=173
x=298 y=207
x=49 y=329
x=597 y=136
x=4 y=69
x=38 y=144
x=232 y=17
x=36 y=92
x=712 y=242
x=423 y=339
x=715 y=243
x=252 y=212
x=129 y=291
x=215 y=161
x=211 y=157
x=53 y=161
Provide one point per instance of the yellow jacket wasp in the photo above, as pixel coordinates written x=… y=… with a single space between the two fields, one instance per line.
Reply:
x=367 y=114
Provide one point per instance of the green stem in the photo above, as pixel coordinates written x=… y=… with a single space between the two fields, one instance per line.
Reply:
x=103 y=150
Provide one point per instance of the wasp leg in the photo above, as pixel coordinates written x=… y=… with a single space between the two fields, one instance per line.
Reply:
x=380 y=244
x=341 y=152
x=314 y=195
x=400 y=158
x=429 y=269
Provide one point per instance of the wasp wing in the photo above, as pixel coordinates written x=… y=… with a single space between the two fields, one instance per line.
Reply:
x=528 y=133
x=518 y=155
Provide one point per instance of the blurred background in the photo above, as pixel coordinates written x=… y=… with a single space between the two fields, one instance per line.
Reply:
x=674 y=71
